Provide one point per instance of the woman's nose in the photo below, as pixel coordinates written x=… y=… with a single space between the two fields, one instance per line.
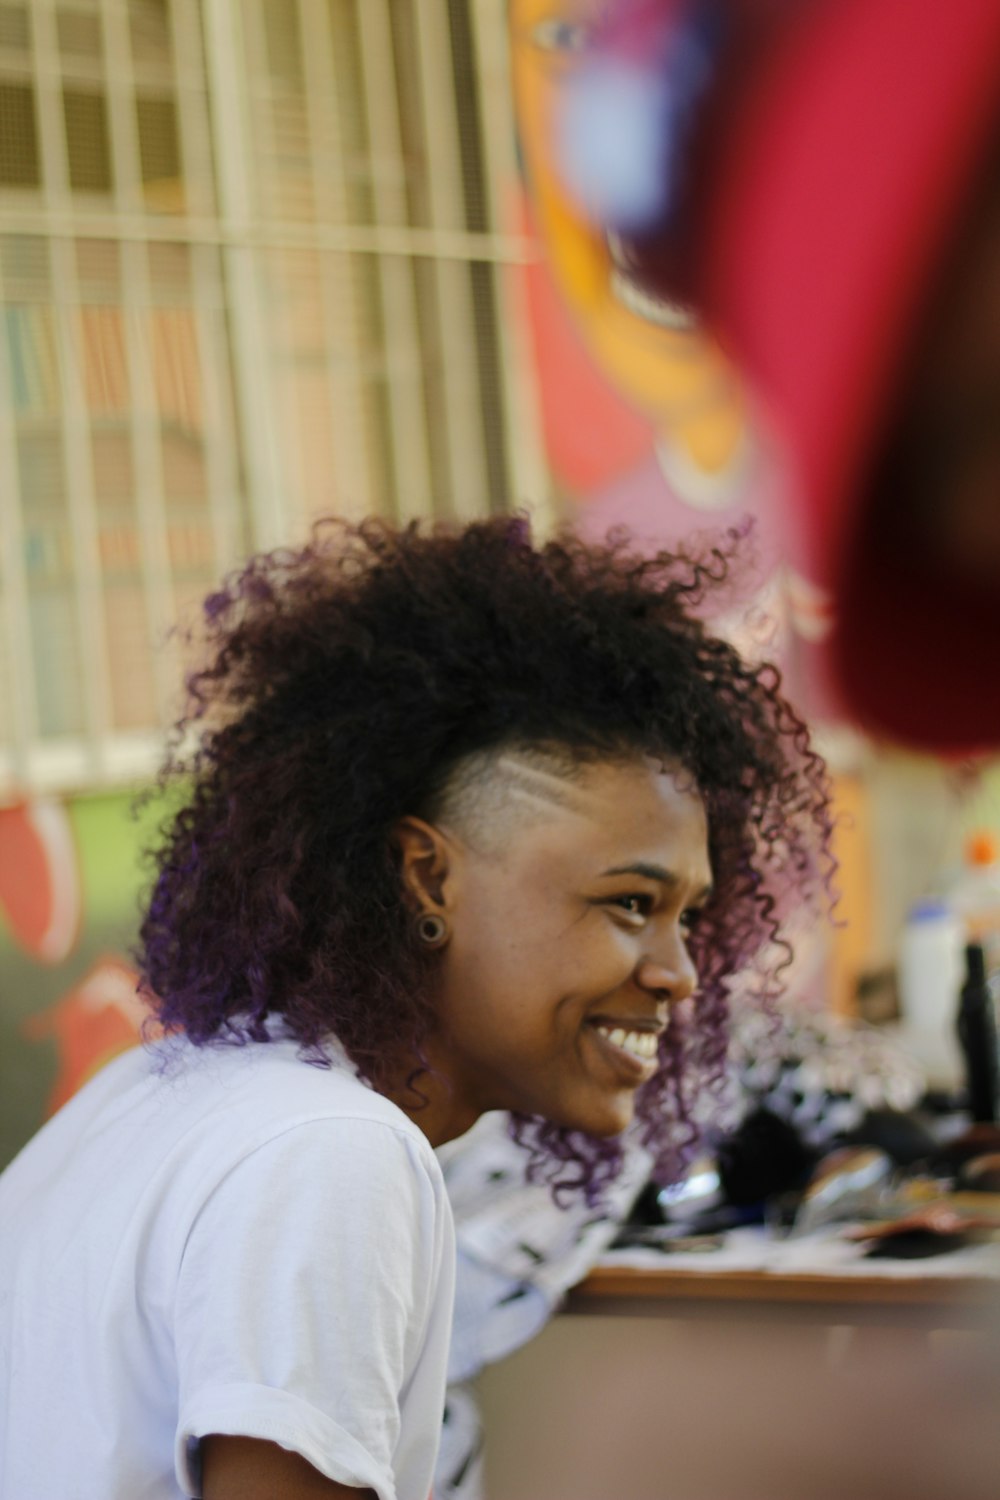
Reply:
x=669 y=975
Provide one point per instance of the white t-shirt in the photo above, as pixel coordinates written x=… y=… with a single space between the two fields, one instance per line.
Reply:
x=241 y=1243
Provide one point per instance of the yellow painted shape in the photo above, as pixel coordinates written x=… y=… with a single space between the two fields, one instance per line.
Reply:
x=677 y=376
x=852 y=936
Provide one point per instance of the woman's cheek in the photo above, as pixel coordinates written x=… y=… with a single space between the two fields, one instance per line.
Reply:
x=615 y=946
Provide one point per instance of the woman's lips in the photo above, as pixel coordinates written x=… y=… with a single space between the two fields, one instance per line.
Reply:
x=629 y=1051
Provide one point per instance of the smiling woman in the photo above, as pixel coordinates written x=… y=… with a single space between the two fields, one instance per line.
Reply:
x=469 y=825
x=569 y=910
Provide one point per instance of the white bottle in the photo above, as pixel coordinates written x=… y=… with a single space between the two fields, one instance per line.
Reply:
x=930 y=978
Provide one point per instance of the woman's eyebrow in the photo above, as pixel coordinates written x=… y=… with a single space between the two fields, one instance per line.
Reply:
x=655 y=872
x=646 y=870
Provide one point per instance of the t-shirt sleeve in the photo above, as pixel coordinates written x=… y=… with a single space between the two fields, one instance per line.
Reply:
x=303 y=1297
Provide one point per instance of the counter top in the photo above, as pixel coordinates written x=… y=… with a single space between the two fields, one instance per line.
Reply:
x=824 y=1272
x=669 y=1283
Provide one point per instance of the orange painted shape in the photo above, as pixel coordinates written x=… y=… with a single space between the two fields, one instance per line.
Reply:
x=591 y=434
x=95 y=1021
x=852 y=936
x=39 y=878
x=650 y=351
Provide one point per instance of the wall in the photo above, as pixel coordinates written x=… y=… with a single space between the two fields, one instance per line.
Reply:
x=70 y=877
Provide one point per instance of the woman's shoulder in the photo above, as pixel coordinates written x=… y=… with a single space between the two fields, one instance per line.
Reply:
x=259 y=1090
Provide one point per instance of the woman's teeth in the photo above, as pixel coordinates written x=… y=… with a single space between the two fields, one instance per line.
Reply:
x=641 y=1044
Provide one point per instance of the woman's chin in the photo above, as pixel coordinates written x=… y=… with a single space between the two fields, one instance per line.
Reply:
x=607 y=1119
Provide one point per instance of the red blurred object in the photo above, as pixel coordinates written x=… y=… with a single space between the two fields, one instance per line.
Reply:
x=827 y=178
x=93 y=1022
x=39 y=879
x=591 y=432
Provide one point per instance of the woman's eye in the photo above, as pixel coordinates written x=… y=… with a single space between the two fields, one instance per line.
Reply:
x=691 y=918
x=635 y=904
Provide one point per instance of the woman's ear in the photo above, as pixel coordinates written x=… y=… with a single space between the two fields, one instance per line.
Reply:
x=424 y=863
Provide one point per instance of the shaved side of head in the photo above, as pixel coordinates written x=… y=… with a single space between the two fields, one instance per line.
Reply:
x=491 y=794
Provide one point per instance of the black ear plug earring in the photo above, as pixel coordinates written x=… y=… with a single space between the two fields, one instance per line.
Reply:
x=431 y=930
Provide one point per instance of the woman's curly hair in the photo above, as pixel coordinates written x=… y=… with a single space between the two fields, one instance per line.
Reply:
x=347 y=682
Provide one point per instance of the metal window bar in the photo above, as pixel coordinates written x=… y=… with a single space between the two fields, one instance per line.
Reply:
x=299 y=326
x=227 y=502
x=491 y=412
x=403 y=364
x=226 y=231
x=18 y=697
x=144 y=424
x=272 y=74
x=468 y=485
x=84 y=751
x=341 y=275
x=224 y=53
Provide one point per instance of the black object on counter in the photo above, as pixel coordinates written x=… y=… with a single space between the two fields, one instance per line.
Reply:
x=915 y=1244
x=952 y=1156
x=765 y=1157
x=900 y=1135
x=977 y=1033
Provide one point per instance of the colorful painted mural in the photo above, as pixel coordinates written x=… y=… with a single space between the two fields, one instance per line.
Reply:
x=646 y=423
x=70 y=880
x=689 y=398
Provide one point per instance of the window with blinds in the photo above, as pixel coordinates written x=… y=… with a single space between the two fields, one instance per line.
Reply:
x=252 y=270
